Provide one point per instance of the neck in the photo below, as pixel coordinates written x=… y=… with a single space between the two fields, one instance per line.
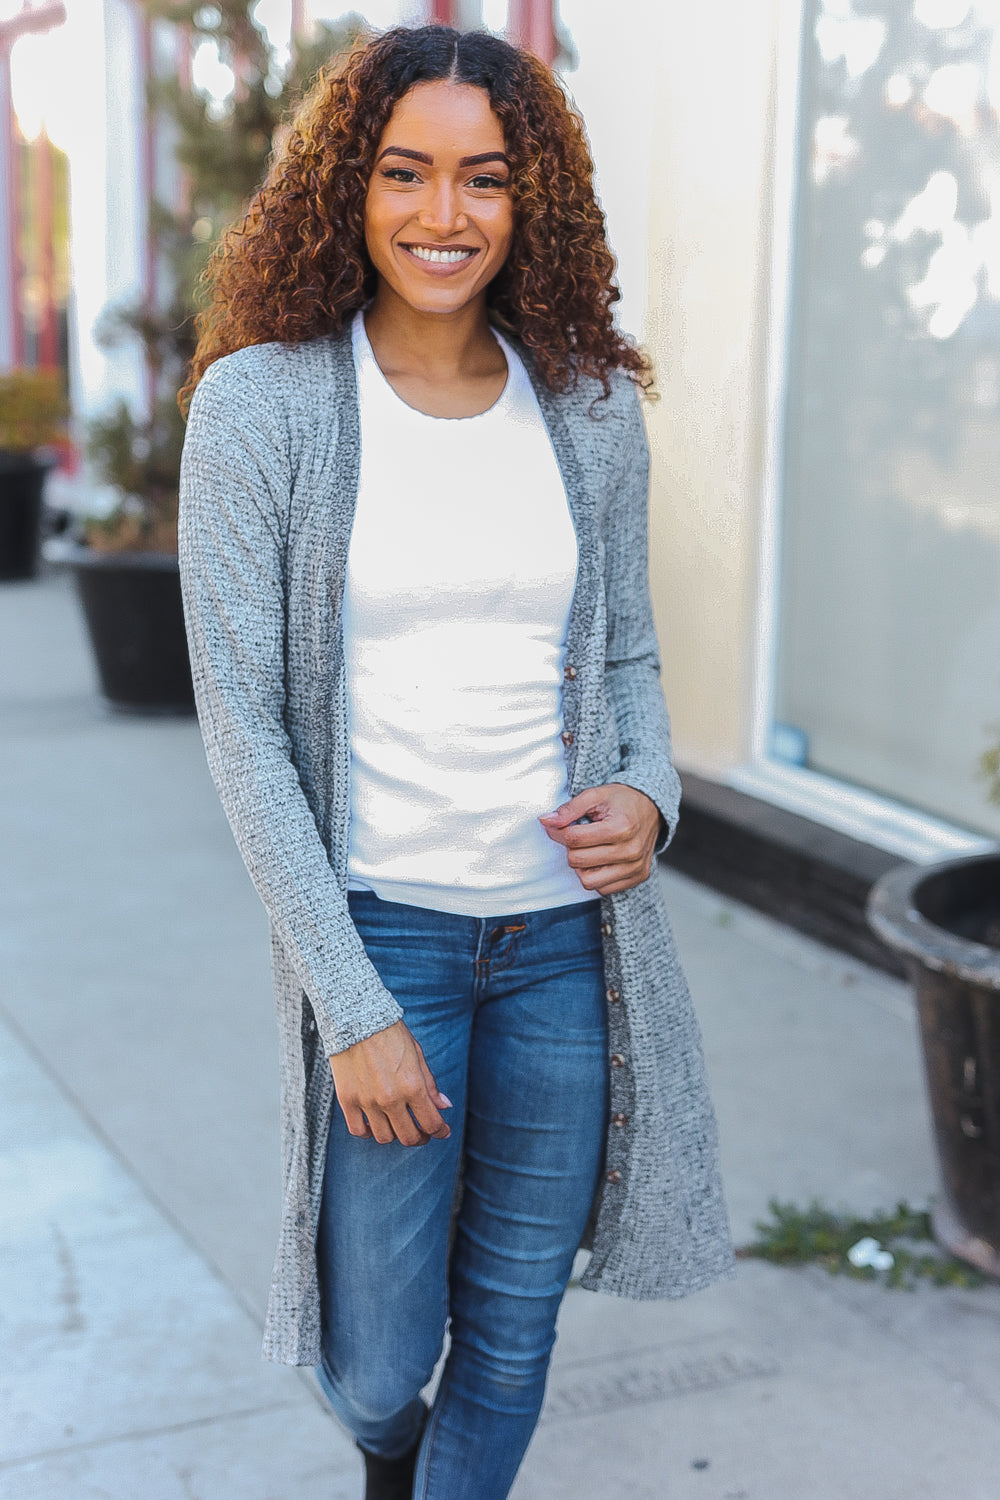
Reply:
x=438 y=346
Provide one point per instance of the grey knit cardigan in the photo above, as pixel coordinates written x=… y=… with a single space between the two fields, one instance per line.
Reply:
x=269 y=482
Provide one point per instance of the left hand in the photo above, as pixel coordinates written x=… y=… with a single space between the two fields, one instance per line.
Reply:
x=614 y=851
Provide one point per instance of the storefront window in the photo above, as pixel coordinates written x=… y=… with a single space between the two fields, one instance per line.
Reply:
x=888 y=630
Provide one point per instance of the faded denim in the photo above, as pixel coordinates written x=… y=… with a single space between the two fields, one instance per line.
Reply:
x=511 y=1014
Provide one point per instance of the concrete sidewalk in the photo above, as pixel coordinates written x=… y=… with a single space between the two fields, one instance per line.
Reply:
x=139 y=1176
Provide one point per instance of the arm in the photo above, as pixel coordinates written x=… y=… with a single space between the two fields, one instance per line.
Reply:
x=632 y=671
x=235 y=479
x=632 y=817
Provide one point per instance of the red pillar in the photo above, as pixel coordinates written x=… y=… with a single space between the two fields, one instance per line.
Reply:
x=443 y=12
x=29 y=18
x=48 y=340
x=10 y=175
x=531 y=24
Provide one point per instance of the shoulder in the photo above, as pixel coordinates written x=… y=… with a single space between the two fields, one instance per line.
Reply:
x=585 y=405
x=285 y=379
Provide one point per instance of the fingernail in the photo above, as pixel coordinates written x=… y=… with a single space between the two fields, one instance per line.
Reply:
x=445 y=1101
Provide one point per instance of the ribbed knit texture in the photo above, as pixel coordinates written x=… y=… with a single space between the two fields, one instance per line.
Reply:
x=269 y=481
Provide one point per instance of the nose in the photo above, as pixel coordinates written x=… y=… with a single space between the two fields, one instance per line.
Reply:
x=441 y=215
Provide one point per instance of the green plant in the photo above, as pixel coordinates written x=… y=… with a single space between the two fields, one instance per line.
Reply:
x=817 y=1235
x=223 y=148
x=33 y=410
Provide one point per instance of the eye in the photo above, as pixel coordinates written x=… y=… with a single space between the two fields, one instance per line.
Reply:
x=487 y=181
x=400 y=174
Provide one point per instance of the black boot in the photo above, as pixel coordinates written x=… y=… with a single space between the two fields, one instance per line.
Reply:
x=389 y=1478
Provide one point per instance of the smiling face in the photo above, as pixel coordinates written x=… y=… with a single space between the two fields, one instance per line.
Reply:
x=439 y=217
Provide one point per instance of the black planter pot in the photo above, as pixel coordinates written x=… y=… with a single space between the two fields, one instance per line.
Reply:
x=22 y=476
x=132 y=605
x=944 y=921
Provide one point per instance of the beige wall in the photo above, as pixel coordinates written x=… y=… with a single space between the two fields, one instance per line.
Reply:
x=707 y=314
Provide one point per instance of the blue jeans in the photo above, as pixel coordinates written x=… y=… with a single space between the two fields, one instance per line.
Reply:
x=510 y=1012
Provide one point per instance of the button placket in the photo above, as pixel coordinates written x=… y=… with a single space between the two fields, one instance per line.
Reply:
x=621 y=1084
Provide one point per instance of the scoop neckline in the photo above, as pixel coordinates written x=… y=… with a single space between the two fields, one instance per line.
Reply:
x=361 y=335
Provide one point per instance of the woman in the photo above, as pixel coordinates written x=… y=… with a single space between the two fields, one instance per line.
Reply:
x=413 y=550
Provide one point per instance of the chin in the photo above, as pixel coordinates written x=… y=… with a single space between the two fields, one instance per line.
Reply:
x=423 y=302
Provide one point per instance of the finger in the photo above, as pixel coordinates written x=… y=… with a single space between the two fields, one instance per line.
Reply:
x=582 y=805
x=600 y=830
x=611 y=878
x=407 y=1131
x=381 y=1127
x=427 y=1115
x=603 y=854
x=424 y=1117
x=354 y=1119
x=574 y=832
x=441 y=1100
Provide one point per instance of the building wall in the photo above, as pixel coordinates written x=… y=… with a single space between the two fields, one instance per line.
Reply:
x=709 y=259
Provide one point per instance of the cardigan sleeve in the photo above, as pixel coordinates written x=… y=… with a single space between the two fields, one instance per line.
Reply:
x=236 y=477
x=632 y=664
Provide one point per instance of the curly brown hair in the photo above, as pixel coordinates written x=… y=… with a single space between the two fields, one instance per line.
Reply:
x=296 y=266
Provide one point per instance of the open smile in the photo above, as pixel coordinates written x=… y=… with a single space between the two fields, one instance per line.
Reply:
x=440 y=260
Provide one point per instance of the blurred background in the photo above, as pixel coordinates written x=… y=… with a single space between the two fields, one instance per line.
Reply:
x=804 y=200
x=803 y=197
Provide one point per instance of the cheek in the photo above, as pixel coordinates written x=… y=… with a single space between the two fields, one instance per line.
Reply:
x=370 y=219
x=377 y=230
x=503 y=229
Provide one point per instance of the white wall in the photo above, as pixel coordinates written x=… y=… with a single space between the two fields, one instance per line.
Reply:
x=614 y=87
x=710 y=229
x=107 y=212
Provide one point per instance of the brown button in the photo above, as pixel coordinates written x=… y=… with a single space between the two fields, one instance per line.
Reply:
x=606 y=928
x=569 y=672
x=617 y=1061
x=567 y=736
x=619 y=1120
x=614 y=1176
x=613 y=995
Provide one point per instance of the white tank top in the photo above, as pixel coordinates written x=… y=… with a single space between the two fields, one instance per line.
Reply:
x=460 y=576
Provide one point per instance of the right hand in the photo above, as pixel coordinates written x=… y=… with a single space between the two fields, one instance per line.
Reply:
x=386 y=1089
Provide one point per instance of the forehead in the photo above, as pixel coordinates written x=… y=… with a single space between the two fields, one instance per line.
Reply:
x=443 y=117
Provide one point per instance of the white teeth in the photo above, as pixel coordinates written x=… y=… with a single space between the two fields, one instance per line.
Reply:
x=446 y=257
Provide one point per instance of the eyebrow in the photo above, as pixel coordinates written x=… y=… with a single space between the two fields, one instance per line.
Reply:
x=465 y=161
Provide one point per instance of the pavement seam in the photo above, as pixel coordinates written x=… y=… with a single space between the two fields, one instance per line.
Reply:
x=583 y=1362
x=142 y=1434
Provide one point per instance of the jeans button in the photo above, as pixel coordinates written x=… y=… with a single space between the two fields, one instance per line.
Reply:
x=569 y=673
x=606 y=929
x=613 y=995
x=620 y=1120
x=614 y=1176
x=567 y=736
x=617 y=1061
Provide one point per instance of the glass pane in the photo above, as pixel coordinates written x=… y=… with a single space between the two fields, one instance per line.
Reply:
x=888 y=661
